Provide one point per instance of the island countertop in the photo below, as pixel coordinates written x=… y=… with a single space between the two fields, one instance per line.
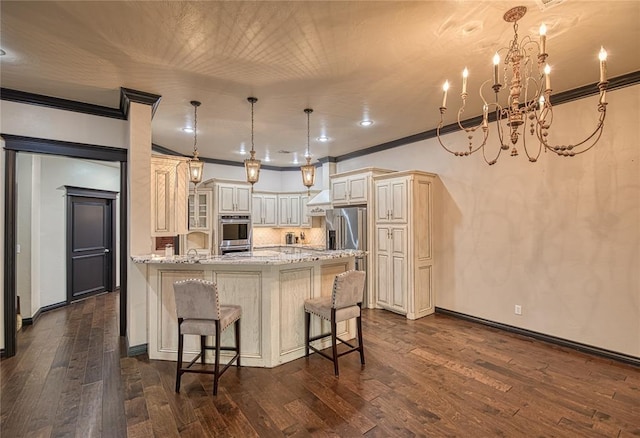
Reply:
x=262 y=256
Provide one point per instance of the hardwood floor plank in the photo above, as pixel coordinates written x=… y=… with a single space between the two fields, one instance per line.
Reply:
x=114 y=420
x=436 y=376
x=89 y=424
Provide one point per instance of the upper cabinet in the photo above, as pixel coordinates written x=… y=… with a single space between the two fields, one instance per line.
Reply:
x=264 y=211
x=391 y=200
x=233 y=198
x=353 y=188
x=200 y=209
x=280 y=210
x=169 y=194
x=289 y=210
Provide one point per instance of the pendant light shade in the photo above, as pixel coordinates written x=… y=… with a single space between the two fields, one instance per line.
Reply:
x=251 y=165
x=308 y=170
x=195 y=165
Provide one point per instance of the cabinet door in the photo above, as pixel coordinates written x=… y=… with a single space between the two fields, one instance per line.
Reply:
x=269 y=210
x=243 y=199
x=295 y=210
x=398 y=268
x=339 y=190
x=283 y=211
x=192 y=211
x=257 y=215
x=226 y=199
x=201 y=210
x=398 y=200
x=383 y=258
x=382 y=201
x=358 y=190
x=162 y=192
x=305 y=219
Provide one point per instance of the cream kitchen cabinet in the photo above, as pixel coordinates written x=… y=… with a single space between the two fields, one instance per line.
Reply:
x=233 y=198
x=349 y=190
x=305 y=219
x=200 y=209
x=391 y=200
x=264 y=210
x=169 y=193
x=392 y=270
x=289 y=210
x=353 y=187
x=403 y=252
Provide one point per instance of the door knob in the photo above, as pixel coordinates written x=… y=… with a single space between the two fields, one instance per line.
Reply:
x=106 y=250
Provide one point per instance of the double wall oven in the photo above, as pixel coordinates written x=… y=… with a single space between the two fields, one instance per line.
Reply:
x=234 y=234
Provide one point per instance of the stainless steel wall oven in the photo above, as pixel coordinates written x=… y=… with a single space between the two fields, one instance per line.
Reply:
x=234 y=234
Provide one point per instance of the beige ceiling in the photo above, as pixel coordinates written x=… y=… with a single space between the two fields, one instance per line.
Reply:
x=347 y=60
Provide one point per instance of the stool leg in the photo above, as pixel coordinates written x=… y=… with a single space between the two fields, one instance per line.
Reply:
x=360 y=346
x=334 y=346
x=179 y=365
x=202 y=349
x=216 y=374
x=238 y=342
x=307 y=323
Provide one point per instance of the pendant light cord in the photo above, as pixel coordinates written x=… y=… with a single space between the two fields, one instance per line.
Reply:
x=252 y=102
x=308 y=111
x=195 y=129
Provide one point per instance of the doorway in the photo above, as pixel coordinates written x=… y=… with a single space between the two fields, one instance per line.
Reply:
x=90 y=242
x=15 y=145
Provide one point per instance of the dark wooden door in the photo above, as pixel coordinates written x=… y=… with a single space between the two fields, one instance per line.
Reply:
x=90 y=237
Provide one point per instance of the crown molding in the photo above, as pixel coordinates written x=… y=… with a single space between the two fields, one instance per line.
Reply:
x=127 y=96
x=60 y=104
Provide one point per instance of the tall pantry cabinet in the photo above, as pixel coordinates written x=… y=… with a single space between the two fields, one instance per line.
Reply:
x=403 y=245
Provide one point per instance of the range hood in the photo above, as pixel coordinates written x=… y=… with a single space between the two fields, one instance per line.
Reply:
x=319 y=204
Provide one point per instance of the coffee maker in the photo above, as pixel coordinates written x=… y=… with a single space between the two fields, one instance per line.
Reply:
x=289 y=238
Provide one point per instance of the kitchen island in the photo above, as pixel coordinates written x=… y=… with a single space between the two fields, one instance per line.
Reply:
x=269 y=284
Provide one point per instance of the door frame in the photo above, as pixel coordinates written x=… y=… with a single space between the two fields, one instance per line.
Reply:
x=15 y=144
x=109 y=196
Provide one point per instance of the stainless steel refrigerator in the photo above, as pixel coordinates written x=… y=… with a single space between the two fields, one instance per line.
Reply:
x=347 y=229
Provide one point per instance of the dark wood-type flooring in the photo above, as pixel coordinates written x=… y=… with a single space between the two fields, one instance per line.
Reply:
x=437 y=376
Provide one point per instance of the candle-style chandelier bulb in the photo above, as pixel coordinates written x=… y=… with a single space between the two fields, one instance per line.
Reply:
x=528 y=101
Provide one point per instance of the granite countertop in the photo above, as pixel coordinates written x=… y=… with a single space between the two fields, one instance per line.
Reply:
x=275 y=255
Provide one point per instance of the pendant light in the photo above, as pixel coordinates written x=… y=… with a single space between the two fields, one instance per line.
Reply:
x=308 y=170
x=252 y=166
x=195 y=165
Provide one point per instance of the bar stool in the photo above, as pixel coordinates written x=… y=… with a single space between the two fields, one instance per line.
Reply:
x=200 y=313
x=344 y=303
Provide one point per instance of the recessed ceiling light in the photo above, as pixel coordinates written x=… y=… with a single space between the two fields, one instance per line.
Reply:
x=323 y=138
x=366 y=123
x=189 y=130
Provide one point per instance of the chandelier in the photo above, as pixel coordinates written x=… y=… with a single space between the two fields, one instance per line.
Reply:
x=195 y=165
x=529 y=82
x=251 y=165
x=308 y=170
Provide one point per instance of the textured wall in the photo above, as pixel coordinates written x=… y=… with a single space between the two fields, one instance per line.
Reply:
x=560 y=237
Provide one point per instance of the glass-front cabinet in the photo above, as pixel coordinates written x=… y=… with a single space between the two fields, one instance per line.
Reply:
x=200 y=209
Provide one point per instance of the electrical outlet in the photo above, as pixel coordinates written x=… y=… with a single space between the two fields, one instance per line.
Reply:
x=18 y=248
x=518 y=309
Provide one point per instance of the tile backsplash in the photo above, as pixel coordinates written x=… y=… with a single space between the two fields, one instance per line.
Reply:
x=276 y=236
